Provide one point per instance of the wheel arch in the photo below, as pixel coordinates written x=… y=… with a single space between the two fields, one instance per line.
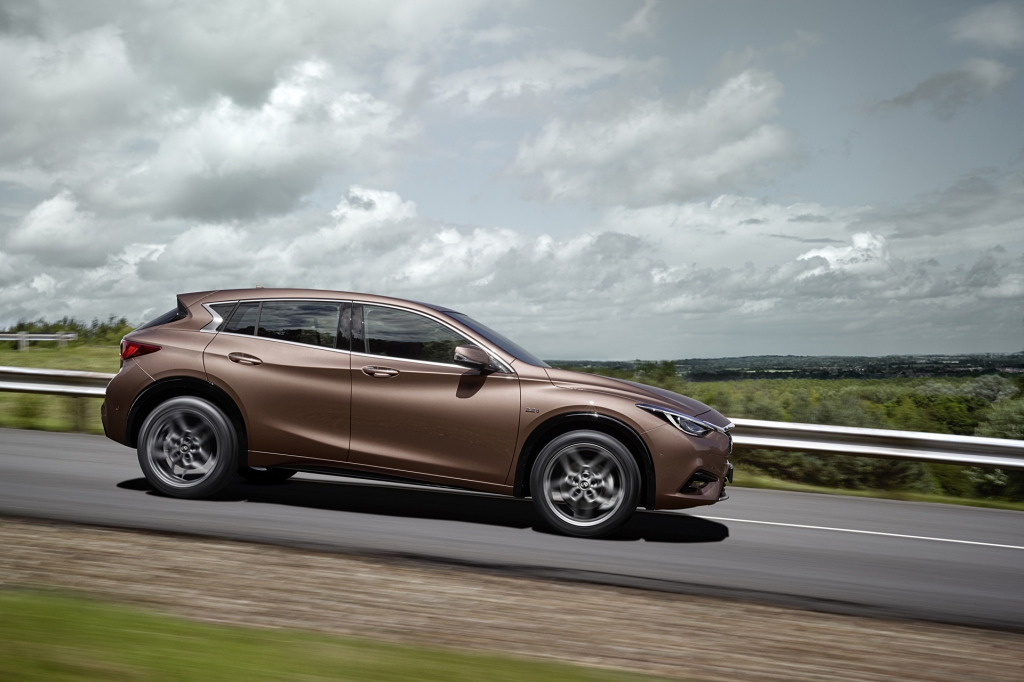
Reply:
x=594 y=421
x=174 y=387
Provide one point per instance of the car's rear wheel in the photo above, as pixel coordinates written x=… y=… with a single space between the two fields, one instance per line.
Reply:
x=265 y=475
x=188 y=448
x=585 y=483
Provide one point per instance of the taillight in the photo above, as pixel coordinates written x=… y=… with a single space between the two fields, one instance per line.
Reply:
x=133 y=349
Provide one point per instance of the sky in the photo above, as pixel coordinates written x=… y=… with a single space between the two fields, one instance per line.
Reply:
x=598 y=180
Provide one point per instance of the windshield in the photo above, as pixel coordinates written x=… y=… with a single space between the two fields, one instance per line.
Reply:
x=499 y=340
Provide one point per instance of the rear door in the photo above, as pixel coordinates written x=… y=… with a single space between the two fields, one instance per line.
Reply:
x=284 y=362
x=414 y=410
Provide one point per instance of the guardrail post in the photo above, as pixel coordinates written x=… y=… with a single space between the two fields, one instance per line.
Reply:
x=62 y=340
x=22 y=340
x=78 y=414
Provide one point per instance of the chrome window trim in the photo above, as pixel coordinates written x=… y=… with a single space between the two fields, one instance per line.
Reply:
x=690 y=418
x=502 y=365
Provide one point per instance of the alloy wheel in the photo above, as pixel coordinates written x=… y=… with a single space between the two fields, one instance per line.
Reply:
x=583 y=484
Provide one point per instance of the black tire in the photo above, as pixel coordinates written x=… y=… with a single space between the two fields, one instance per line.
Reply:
x=188 y=448
x=585 y=483
x=265 y=476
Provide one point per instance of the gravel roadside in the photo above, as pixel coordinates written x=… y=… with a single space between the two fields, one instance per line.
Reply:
x=644 y=631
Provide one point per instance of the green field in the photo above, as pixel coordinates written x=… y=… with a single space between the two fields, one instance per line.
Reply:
x=46 y=637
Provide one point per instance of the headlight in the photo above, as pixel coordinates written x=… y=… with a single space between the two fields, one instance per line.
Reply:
x=684 y=422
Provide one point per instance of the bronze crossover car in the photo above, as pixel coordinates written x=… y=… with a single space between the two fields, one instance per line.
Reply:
x=267 y=382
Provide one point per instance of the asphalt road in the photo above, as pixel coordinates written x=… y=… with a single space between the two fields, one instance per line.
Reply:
x=914 y=560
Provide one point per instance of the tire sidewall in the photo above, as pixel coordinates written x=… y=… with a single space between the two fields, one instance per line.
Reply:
x=630 y=483
x=227 y=448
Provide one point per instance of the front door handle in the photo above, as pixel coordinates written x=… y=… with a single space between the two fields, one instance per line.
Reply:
x=244 y=359
x=379 y=372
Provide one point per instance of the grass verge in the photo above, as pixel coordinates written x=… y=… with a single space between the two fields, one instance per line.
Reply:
x=744 y=479
x=59 y=637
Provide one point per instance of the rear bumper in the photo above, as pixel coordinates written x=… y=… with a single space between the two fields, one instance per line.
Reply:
x=121 y=393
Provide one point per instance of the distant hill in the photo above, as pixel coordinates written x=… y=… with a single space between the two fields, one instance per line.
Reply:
x=825 y=367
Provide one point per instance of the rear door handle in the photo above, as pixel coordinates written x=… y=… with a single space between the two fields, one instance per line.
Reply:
x=244 y=359
x=379 y=372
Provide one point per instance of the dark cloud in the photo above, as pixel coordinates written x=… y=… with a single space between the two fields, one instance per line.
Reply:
x=807 y=240
x=810 y=218
x=988 y=201
x=947 y=93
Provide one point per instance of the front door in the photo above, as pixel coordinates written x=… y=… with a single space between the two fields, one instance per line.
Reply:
x=281 y=359
x=414 y=410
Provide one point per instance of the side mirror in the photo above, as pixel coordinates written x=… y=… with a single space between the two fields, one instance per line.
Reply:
x=473 y=357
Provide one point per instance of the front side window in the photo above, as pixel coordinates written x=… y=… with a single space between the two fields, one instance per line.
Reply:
x=311 y=322
x=402 y=334
x=243 y=320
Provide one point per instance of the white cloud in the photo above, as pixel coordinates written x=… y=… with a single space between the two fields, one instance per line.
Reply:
x=730 y=229
x=583 y=295
x=210 y=111
x=534 y=75
x=640 y=24
x=224 y=160
x=867 y=253
x=999 y=25
x=652 y=151
x=57 y=233
x=54 y=90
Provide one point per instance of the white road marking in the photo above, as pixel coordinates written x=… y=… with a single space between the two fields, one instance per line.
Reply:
x=860 y=532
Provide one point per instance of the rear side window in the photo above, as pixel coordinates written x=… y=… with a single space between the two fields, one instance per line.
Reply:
x=224 y=310
x=401 y=334
x=310 y=322
x=243 y=320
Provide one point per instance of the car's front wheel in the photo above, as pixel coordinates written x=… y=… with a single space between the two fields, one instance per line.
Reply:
x=585 y=483
x=188 y=448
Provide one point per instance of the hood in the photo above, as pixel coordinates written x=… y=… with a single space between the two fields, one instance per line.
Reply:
x=640 y=392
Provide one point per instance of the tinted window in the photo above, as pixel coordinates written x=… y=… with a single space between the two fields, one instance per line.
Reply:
x=401 y=334
x=345 y=328
x=224 y=310
x=311 y=322
x=243 y=320
x=499 y=340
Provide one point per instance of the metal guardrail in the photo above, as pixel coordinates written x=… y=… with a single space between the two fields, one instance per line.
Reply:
x=748 y=434
x=847 y=440
x=23 y=338
x=54 y=382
